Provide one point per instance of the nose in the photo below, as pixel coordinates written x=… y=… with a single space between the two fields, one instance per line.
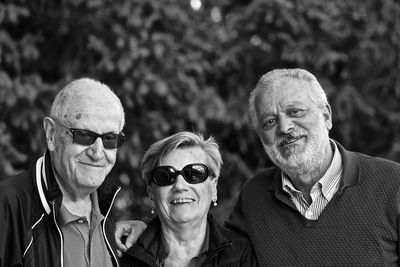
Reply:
x=285 y=124
x=96 y=150
x=180 y=183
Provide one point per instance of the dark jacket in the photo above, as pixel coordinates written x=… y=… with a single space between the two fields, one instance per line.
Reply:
x=226 y=248
x=360 y=226
x=29 y=204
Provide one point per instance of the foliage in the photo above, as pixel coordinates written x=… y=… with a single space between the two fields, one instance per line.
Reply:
x=178 y=68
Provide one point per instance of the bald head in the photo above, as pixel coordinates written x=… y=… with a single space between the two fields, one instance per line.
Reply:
x=72 y=101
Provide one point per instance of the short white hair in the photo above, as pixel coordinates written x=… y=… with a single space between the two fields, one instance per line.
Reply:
x=72 y=92
x=274 y=77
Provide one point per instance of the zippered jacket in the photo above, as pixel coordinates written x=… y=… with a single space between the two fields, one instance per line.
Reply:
x=29 y=206
x=226 y=248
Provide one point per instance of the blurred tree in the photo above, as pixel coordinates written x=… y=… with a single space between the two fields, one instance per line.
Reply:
x=190 y=65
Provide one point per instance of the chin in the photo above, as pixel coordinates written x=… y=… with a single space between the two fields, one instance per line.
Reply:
x=292 y=159
x=182 y=219
x=283 y=156
x=94 y=182
x=186 y=217
x=289 y=153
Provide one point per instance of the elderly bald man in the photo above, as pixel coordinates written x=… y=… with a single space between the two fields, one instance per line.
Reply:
x=57 y=212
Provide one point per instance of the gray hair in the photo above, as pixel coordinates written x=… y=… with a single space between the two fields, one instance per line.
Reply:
x=273 y=78
x=73 y=92
x=160 y=149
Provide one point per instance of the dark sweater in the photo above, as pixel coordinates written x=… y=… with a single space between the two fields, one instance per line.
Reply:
x=359 y=227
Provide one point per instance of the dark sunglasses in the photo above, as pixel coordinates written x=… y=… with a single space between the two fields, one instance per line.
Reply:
x=166 y=175
x=87 y=138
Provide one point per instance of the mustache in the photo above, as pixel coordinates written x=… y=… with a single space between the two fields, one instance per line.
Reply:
x=287 y=138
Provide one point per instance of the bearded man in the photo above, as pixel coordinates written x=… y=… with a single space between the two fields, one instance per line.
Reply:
x=320 y=204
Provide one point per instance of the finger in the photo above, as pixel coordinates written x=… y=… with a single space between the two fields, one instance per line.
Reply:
x=131 y=239
x=137 y=229
x=119 y=253
x=117 y=236
x=121 y=246
x=120 y=231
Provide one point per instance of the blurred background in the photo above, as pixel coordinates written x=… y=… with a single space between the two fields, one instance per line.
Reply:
x=190 y=65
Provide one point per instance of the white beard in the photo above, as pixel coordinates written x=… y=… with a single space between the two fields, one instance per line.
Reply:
x=299 y=160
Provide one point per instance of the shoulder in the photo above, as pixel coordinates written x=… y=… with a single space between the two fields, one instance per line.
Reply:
x=143 y=252
x=359 y=168
x=16 y=203
x=368 y=164
x=377 y=161
x=16 y=187
x=231 y=241
x=266 y=178
x=136 y=256
x=378 y=167
x=237 y=239
x=238 y=251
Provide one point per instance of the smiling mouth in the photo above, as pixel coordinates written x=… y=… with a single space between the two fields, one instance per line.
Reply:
x=182 y=201
x=289 y=140
x=91 y=165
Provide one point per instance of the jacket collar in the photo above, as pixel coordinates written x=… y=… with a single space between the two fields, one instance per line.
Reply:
x=46 y=183
x=49 y=191
x=150 y=241
x=217 y=239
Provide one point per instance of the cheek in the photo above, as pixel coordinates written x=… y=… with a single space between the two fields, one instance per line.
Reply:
x=317 y=126
x=61 y=154
x=111 y=156
x=268 y=137
x=207 y=193
x=160 y=195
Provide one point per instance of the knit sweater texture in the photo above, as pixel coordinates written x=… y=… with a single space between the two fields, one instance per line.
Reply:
x=359 y=226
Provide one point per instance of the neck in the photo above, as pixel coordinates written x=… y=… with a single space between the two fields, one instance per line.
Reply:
x=183 y=242
x=81 y=207
x=304 y=181
x=76 y=202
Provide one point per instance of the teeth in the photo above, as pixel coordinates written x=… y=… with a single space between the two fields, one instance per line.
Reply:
x=290 y=140
x=182 y=200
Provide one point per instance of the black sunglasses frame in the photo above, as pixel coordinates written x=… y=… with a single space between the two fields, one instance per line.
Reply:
x=83 y=133
x=172 y=176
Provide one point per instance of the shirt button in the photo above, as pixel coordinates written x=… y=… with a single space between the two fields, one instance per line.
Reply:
x=80 y=221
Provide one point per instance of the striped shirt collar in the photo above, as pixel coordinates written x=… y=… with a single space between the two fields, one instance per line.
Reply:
x=330 y=180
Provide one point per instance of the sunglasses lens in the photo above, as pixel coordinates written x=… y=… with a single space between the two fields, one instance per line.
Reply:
x=163 y=175
x=84 y=137
x=111 y=141
x=192 y=173
x=195 y=173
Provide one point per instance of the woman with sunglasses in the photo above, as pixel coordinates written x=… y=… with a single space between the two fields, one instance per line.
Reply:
x=182 y=173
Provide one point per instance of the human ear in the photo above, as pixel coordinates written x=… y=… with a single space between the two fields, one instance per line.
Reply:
x=150 y=192
x=214 y=183
x=50 y=131
x=327 y=114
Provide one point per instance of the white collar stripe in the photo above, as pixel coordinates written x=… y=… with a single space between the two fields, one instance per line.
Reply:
x=39 y=172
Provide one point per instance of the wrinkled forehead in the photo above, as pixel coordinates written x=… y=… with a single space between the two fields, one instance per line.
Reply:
x=88 y=103
x=286 y=91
